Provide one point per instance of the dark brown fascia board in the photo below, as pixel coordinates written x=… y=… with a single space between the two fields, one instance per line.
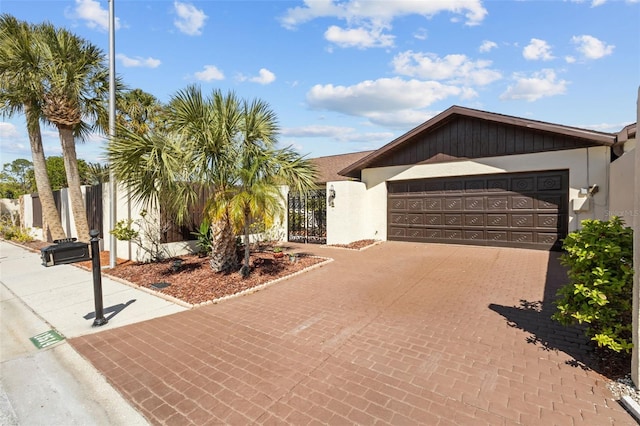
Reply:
x=601 y=138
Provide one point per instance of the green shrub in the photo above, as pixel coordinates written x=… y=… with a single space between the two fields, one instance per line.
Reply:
x=204 y=237
x=9 y=230
x=600 y=261
x=124 y=231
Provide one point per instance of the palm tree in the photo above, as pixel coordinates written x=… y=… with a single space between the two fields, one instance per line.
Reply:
x=20 y=92
x=256 y=173
x=76 y=85
x=138 y=111
x=220 y=142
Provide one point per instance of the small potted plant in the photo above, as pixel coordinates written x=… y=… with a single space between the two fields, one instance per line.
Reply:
x=277 y=252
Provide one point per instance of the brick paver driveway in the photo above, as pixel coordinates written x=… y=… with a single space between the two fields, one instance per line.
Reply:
x=397 y=334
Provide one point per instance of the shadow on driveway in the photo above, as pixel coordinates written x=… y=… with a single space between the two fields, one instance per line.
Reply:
x=534 y=317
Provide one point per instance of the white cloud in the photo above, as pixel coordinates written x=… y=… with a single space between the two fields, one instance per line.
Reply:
x=537 y=50
x=190 y=19
x=8 y=130
x=342 y=134
x=358 y=37
x=487 y=45
x=94 y=15
x=452 y=68
x=569 y=59
x=138 y=61
x=539 y=85
x=382 y=101
x=421 y=34
x=592 y=48
x=210 y=72
x=264 y=77
x=381 y=11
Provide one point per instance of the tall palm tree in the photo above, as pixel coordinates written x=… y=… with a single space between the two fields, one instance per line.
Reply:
x=76 y=86
x=224 y=143
x=20 y=92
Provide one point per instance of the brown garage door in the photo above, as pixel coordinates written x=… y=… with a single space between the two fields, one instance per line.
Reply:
x=527 y=210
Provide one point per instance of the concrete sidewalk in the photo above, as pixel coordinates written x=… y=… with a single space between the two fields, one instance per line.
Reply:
x=55 y=385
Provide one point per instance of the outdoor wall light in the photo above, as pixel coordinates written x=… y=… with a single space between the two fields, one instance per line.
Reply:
x=332 y=196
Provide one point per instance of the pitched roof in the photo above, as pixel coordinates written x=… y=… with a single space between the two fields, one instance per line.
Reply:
x=591 y=136
x=329 y=166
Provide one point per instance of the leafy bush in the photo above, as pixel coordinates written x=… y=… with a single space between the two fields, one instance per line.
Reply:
x=9 y=230
x=124 y=231
x=600 y=261
x=204 y=237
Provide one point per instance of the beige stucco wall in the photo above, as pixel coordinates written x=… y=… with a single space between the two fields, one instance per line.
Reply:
x=622 y=186
x=587 y=166
x=347 y=217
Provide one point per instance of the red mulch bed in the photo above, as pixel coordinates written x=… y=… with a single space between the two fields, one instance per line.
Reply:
x=195 y=282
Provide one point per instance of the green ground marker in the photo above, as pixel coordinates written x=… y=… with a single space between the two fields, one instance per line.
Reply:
x=45 y=339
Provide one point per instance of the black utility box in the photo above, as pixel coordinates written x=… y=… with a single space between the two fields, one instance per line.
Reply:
x=65 y=251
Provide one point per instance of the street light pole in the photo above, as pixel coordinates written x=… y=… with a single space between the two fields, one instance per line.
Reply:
x=113 y=199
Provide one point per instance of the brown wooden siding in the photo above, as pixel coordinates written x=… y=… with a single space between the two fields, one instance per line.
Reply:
x=468 y=137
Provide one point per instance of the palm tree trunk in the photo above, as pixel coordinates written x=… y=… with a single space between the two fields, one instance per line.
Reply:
x=73 y=179
x=223 y=251
x=51 y=223
x=247 y=249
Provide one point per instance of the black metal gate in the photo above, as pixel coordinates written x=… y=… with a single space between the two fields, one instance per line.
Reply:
x=308 y=217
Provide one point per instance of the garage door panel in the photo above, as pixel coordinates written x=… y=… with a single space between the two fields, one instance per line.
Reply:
x=474 y=203
x=452 y=219
x=498 y=220
x=396 y=218
x=433 y=204
x=522 y=202
x=550 y=183
x=453 y=186
x=474 y=236
x=453 y=234
x=547 y=221
x=397 y=204
x=475 y=185
x=508 y=210
x=415 y=219
x=497 y=236
x=397 y=232
x=433 y=219
x=453 y=204
x=522 y=237
x=414 y=205
x=550 y=202
x=497 y=203
x=525 y=184
x=498 y=185
x=474 y=220
x=522 y=221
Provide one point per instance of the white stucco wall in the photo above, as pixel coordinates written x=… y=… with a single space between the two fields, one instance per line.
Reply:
x=587 y=166
x=347 y=217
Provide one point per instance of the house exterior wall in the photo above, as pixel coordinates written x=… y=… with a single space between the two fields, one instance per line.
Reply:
x=587 y=166
x=622 y=185
x=347 y=218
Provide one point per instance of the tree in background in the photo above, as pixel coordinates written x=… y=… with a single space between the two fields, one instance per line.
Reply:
x=138 y=111
x=20 y=92
x=14 y=178
x=57 y=174
x=75 y=80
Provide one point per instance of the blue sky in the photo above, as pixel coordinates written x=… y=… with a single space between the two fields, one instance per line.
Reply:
x=346 y=76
